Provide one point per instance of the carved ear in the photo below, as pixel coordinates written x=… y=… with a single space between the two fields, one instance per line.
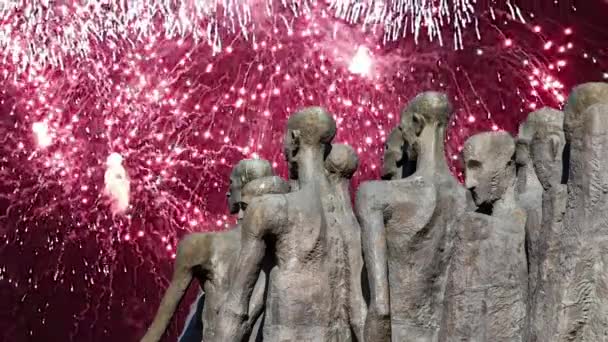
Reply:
x=555 y=147
x=418 y=123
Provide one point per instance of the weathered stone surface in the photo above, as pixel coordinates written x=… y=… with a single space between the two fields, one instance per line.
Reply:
x=209 y=257
x=487 y=282
x=396 y=163
x=529 y=193
x=546 y=150
x=294 y=229
x=549 y=123
x=341 y=164
x=584 y=315
x=521 y=256
x=406 y=229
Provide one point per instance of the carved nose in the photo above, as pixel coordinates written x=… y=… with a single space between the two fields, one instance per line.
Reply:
x=470 y=183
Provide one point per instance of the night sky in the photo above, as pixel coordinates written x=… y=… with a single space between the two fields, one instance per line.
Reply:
x=84 y=257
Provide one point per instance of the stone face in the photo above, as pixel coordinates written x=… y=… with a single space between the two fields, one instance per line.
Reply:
x=396 y=163
x=406 y=229
x=582 y=97
x=487 y=281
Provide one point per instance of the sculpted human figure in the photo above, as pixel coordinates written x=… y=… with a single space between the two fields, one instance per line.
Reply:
x=293 y=229
x=584 y=311
x=529 y=193
x=341 y=164
x=487 y=282
x=208 y=257
x=546 y=150
x=406 y=230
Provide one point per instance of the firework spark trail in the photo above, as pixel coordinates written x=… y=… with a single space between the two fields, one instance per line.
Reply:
x=180 y=113
x=40 y=33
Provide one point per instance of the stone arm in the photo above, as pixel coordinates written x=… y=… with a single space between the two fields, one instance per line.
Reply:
x=358 y=306
x=373 y=236
x=182 y=277
x=257 y=302
x=263 y=218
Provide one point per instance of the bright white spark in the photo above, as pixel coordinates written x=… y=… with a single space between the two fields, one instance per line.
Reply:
x=41 y=131
x=42 y=33
x=361 y=62
x=117 y=185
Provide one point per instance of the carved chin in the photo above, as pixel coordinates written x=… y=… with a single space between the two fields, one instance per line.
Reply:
x=477 y=199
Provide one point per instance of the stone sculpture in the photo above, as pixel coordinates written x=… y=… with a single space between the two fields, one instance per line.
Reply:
x=529 y=195
x=583 y=315
x=293 y=229
x=406 y=230
x=546 y=150
x=209 y=257
x=521 y=256
x=486 y=292
x=341 y=164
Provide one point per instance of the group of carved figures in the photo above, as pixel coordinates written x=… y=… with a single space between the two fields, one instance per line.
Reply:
x=519 y=253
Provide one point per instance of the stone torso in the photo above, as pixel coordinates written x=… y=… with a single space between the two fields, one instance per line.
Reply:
x=584 y=314
x=485 y=296
x=299 y=303
x=547 y=298
x=418 y=214
x=214 y=275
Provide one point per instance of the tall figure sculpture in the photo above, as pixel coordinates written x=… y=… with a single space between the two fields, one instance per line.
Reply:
x=406 y=230
x=341 y=164
x=486 y=292
x=584 y=312
x=292 y=228
x=529 y=193
x=209 y=257
x=546 y=150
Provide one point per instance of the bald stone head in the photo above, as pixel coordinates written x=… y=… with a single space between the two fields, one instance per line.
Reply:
x=308 y=127
x=428 y=109
x=545 y=119
x=259 y=187
x=244 y=172
x=581 y=98
x=596 y=119
x=342 y=161
x=546 y=148
x=489 y=167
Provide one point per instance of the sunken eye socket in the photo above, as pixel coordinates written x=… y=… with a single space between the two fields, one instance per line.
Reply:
x=243 y=206
x=473 y=164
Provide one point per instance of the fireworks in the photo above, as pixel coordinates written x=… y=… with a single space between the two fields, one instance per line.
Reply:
x=40 y=33
x=121 y=121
